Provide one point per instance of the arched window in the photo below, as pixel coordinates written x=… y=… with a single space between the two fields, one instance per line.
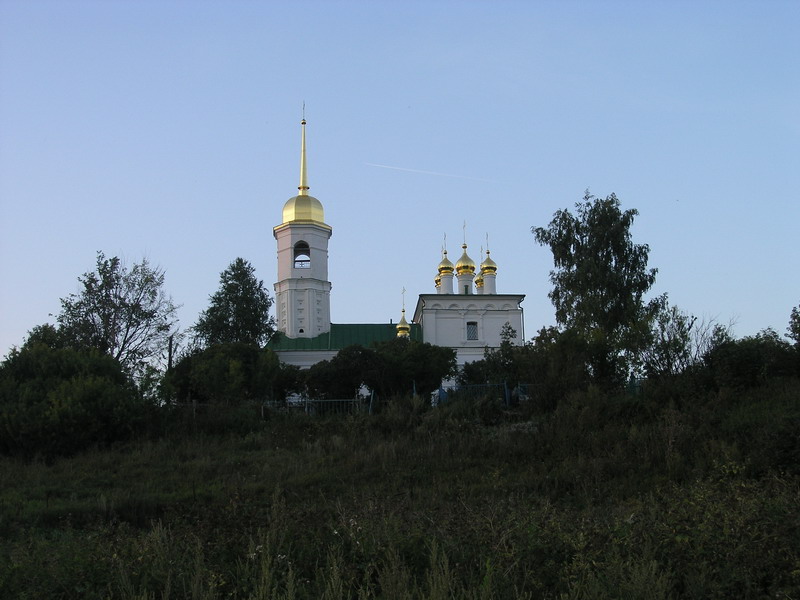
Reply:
x=302 y=256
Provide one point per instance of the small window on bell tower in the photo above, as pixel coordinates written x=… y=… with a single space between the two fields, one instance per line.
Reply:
x=302 y=256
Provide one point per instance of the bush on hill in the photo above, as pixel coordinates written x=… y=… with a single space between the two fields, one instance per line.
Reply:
x=56 y=401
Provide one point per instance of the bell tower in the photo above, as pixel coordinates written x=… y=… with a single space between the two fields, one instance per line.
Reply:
x=303 y=292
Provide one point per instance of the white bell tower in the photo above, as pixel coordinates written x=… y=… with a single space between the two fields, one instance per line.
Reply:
x=303 y=292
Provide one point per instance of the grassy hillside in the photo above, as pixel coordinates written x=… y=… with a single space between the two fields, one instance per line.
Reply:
x=648 y=496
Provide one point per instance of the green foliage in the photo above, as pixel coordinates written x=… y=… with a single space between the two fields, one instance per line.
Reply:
x=120 y=312
x=553 y=361
x=599 y=282
x=751 y=361
x=230 y=374
x=59 y=401
x=342 y=376
x=670 y=349
x=404 y=366
x=793 y=331
x=393 y=368
x=500 y=365
x=239 y=310
x=47 y=335
x=557 y=364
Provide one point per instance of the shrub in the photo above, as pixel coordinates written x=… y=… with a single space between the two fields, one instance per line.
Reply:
x=59 y=401
x=752 y=360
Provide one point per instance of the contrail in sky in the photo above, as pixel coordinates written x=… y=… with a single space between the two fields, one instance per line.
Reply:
x=428 y=172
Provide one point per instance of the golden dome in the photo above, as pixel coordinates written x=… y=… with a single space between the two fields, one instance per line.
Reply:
x=438 y=281
x=465 y=264
x=403 y=328
x=479 y=280
x=445 y=267
x=488 y=265
x=303 y=208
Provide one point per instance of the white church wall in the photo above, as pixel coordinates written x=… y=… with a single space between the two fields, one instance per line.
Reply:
x=468 y=323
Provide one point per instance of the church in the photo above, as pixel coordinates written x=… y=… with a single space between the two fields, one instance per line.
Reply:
x=465 y=312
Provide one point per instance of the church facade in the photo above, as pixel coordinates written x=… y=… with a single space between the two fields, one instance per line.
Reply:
x=467 y=318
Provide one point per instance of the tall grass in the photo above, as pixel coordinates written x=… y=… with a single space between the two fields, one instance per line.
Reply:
x=602 y=497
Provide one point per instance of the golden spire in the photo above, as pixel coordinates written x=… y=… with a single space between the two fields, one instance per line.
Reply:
x=303 y=207
x=303 y=187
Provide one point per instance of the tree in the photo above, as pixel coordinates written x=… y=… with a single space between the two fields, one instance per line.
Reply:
x=239 y=310
x=670 y=349
x=230 y=374
x=56 y=401
x=403 y=366
x=120 y=312
x=750 y=361
x=793 y=331
x=599 y=282
x=557 y=362
x=554 y=360
x=396 y=367
x=46 y=334
x=343 y=375
x=499 y=365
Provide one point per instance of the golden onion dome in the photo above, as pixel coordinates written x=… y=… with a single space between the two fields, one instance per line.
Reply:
x=479 y=280
x=445 y=267
x=465 y=264
x=403 y=328
x=488 y=265
x=303 y=208
x=438 y=281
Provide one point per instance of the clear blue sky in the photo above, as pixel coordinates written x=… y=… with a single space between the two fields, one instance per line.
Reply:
x=170 y=130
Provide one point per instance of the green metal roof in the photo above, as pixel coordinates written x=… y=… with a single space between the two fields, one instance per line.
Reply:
x=343 y=335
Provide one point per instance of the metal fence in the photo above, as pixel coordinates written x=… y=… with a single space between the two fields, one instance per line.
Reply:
x=502 y=392
x=311 y=406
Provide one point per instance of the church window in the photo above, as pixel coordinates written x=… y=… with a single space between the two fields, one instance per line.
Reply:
x=472 y=330
x=302 y=256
